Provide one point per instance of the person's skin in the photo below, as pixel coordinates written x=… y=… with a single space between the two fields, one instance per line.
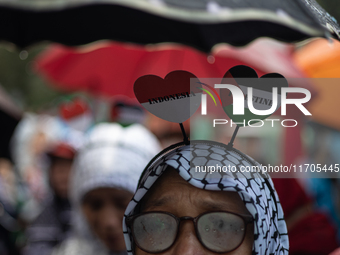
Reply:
x=104 y=211
x=59 y=176
x=173 y=194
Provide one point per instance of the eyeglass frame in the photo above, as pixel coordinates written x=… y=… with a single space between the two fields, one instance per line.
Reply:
x=247 y=219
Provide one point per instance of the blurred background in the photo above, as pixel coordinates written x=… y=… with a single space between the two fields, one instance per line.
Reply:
x=51 y=95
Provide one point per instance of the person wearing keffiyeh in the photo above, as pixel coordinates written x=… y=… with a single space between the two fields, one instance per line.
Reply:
x=104 y=178
x=233 y=212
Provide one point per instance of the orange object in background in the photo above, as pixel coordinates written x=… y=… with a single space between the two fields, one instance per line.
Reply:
x=319 y=60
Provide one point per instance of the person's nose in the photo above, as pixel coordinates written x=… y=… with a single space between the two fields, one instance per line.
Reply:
x=187 y=242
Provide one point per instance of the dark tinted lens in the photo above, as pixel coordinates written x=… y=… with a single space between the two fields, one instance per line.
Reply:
x=154 y=232
x=221 y=231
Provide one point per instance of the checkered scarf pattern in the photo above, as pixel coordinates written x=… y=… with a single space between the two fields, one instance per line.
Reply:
x=255 y=189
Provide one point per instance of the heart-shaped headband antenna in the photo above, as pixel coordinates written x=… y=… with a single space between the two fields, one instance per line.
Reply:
x=245 y=98
x=171 y=98
x=251 y=95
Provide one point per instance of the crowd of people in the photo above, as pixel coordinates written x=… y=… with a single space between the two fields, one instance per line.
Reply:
x=114 y=189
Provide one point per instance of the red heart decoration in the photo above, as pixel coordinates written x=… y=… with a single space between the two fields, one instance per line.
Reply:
x=243 y=77
x=73 y=109
x=170 y=98
x=229 y=78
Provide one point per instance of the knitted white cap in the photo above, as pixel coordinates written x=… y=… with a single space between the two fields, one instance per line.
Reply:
x=113 y=156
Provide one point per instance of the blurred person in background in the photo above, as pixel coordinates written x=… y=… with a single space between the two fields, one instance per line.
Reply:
x=32 y=138
x=104 y=178
x=52 y=226
x=310 y=230
x=324 y=186
x=9 y=225
x=326 y=191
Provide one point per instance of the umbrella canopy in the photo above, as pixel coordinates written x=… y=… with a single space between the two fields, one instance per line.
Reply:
x=112 y=68
x=326 y=65
x=201 y=24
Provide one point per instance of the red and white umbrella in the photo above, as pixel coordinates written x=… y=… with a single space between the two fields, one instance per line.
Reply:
x=112 y=68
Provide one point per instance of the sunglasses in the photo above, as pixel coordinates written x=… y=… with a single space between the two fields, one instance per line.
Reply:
x=217 y=231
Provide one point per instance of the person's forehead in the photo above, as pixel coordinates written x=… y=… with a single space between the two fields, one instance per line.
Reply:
x=170 y=188
x=107 y=192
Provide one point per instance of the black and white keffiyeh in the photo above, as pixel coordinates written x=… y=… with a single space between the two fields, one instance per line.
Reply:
x=256 y=189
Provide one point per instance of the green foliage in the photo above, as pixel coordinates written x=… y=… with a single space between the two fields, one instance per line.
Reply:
x=28 y=90
x=332 y=7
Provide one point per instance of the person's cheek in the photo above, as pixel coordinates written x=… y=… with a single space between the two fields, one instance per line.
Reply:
x=139 y=252
x=91 y=217
x=246 y=247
